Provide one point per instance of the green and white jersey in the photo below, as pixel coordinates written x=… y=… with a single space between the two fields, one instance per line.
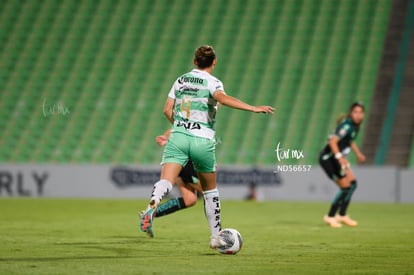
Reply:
x=195 y=107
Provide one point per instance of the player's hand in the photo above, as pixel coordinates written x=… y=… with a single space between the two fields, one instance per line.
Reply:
x=263 y=109
x=361 y=157
x=343 y=162
x=161 y=140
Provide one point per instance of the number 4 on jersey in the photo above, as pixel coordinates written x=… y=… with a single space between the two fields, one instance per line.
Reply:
x=186 y=105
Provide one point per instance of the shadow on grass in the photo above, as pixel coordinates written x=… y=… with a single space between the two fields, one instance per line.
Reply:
x=68 y=258
x=121 y=245
x=114 y=240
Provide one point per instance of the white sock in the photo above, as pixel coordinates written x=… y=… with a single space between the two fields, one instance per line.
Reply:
x=161 y=188
x=212 y=210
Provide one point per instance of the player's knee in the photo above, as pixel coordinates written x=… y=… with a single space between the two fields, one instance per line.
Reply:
x=190 y=201
x=344 y=183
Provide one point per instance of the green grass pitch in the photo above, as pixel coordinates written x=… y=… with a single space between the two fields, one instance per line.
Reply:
x=82 y=236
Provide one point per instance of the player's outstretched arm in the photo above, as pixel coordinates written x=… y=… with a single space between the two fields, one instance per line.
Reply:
x=235 y=103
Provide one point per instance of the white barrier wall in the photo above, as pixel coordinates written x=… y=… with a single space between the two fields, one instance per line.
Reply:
x=406 y=187
x=375 y=184
x=85 y=181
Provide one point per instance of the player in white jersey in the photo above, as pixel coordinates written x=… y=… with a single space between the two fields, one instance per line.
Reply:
x=191 y=108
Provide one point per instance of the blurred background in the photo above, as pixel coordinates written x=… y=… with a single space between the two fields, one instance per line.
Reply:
x=83 y=84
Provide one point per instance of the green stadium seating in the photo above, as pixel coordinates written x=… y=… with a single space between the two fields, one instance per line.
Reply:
x=112 y=63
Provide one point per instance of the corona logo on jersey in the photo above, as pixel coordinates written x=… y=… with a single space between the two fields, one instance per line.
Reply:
x=192 y=79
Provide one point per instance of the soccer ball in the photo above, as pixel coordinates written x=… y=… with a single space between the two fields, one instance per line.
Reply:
x=233 y=240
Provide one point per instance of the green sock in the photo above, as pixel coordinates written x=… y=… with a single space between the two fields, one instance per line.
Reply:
x=170 y=206
x=338 y=201
x=345 y=204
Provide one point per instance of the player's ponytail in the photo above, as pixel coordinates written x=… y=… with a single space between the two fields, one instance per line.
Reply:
x=341 y=118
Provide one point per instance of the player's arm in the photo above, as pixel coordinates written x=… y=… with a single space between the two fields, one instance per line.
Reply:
x=235 y=103
x=167 y=133
x=162 y=140
x=360 y=157
x=333 y=144
x=169 y=108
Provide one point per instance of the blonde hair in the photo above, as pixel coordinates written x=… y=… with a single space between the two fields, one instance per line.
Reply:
x=341 y=118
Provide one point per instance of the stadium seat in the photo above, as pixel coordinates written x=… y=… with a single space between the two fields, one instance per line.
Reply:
x=112 y=64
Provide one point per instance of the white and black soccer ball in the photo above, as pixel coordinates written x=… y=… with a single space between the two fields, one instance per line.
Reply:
x=233 y=239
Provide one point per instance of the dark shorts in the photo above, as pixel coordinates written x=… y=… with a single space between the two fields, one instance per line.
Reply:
x=332 y=167
x=188 y=174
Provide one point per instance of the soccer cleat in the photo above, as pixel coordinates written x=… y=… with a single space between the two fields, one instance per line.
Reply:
x=332 y=222
x=141 y=213
x=216 y=242
x=346 y=220
x=146 y=218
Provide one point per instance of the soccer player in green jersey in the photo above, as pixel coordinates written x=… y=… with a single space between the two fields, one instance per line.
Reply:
x=191 y=107
x=333 y=162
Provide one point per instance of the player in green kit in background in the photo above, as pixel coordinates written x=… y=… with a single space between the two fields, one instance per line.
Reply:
x=191 y=107
x=332 y=160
